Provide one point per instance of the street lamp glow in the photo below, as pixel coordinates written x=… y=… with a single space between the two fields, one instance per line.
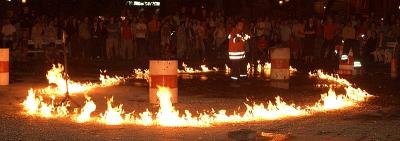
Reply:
x=23 y=1
x=280 y=2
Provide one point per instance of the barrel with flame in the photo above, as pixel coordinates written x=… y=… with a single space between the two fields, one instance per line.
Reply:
x=280 y=58
x=163 y=73
x=4 y=64
x=345 y=67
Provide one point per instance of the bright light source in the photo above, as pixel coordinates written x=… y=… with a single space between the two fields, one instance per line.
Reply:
x=9 y=0
x=362 y=35
x=280 y=2
x=123 y=18
x=399 y=7
x=381 y=19
x=324 y=7
x=23 y=1
x=146 y=3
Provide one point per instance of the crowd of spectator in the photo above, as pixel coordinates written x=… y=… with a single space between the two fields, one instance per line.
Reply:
x=195 y=35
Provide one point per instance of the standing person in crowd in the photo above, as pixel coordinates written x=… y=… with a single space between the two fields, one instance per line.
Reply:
x=350 y=42
x=165 y=35
x=51 y=32
x=260 y=28
x=319 y=39
x=50 y=38
x=133 y=52
x=210 y=46
x=190 y=40
x=285 y=32
x=36 y=34
x=112 y=41
x=96 y=38
x=219 y=38
x=181 y=40
x=328 y=47
x=201 y=39
x=8 y=32
x=140 y=38
x=26 y=20
x=103 y=37
x=84 y=38
x=72 y=34
x=237 y=52
x=309 y=41
x=298 y=31
x=371 y=44
x=126 y=40
x=268 y=28
x=154 y=36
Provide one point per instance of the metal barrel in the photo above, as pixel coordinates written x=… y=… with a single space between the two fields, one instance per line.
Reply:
x=163 y=73
x=4 y=66
x=280 y=58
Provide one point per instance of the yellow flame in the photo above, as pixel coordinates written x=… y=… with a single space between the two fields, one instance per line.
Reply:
x=34 y=105
x=56 y=76
x=87 y=109
x=141 y=74
x=113 y=115
x=167 y=115
x=204 y=69
x=31 y=103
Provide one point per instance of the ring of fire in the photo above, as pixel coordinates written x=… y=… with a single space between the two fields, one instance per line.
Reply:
x=167 y=115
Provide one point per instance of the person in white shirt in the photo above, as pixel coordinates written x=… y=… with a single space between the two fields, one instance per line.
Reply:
x=220 y=37
x=140 y=38
x=8 y=31
x=36 y=34
x=285 y=32
x=51 y=32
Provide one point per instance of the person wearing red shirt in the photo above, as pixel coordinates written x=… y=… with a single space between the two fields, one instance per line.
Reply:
x=237 y=52
x=126 y=41
x=329 y=35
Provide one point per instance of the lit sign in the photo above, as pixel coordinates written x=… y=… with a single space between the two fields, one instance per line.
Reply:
x=143 y=3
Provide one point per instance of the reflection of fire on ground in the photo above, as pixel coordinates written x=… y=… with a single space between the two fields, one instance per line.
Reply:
x=168 y=115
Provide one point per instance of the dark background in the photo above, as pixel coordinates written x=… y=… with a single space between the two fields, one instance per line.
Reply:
x=230 y=7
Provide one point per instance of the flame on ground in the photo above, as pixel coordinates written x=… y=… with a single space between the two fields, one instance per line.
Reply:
x=167 y=115
x=87 y=109
x=113 y=115
x=203 y=69
x=56 y=76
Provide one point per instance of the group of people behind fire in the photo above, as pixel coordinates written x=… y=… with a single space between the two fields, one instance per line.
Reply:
x=199 y=36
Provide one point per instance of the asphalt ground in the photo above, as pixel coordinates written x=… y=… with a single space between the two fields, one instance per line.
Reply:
x=376 y=119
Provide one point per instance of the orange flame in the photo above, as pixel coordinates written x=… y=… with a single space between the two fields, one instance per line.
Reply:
x=167 y=115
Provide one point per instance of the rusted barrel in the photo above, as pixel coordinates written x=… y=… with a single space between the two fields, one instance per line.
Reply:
x=163 y=73
x=280 y=58
x=4 y=66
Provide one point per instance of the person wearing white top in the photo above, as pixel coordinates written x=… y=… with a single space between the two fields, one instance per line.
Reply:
x=8 y=31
